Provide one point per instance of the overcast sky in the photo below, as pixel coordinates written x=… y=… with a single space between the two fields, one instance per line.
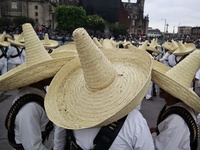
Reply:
x=175 y=12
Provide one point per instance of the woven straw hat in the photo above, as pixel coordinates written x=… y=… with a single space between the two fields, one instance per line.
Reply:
x=2 y=42
x=49 y=43
x=66 y=47
x=97 y=42
x=21 y=38
x=177 y=80
x=144 y=45
x=95 y=90
x=17 y=42
x=107 y=44
x=184 y=49
x=152 y=47
x=39 y=64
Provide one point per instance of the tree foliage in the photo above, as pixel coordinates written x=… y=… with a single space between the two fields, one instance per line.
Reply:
x=95 y=23
x=5 y=22
x=118 y=29
x=70 y=17
x=19 y=21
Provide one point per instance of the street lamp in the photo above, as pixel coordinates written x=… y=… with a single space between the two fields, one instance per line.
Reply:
x=165 y=23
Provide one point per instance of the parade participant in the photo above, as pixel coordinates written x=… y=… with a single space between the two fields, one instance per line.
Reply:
x=154 y=52
x=49 y=44
x=98 y=89
x=168 y=58
x=3 y=53
x=16 y=53
x=27 y=123
x=176 y=126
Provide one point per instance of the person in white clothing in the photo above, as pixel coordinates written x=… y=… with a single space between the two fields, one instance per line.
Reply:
x=28 y=126
x=3 y=53
x=96 y=91
x=177 y=127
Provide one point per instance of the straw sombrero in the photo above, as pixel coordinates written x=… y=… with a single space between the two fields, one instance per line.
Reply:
x=177 y=80
x=49 y=43
x=184 y=49
x=66 y=47
x=106 y=43
x=96 y=41
x=2 y=40
x=17 y=42
x=95 y=90
x=144 y=45
x=152 y=47
x=21 y=38
x=39 y=64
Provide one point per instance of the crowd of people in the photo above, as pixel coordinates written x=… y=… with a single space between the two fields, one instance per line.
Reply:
x=87 y=94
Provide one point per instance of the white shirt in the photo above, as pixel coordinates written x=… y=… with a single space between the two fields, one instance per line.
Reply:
x=30 y=122
x=3 y=64
x=133 y=135
x=12 y=52
x=174 y=132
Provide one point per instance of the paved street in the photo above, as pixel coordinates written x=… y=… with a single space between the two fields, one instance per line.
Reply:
x=149 y=109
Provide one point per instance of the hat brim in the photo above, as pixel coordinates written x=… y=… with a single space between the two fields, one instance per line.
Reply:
x=80 y=108
x=52 y=44
x=187 y=95
x=16 y=43
x=68 y=46
x=4 y=44
x=188 y=50
x=152 y=49
x=23 y=75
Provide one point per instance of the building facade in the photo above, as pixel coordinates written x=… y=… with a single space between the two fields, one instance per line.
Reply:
x=138 y=22
x=113 y=11
x=39 y=10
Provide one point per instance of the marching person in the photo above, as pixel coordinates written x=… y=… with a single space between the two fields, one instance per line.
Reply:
x=27 y=123
x=3 y=53
x=92 y=99
x=177 y=123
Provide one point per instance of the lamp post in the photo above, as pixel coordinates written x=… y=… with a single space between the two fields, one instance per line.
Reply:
x=164 y=26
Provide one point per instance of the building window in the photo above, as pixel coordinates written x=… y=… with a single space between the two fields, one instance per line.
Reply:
x=14 y=5
x=36 y=14
x=36 y=7
x=36 y=19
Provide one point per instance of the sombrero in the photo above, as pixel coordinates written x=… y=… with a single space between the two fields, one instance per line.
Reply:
x=16 y=42
x=21 y=38
x=107 y=44
x=97 y=42
x=2 y=42
x=177 y=80
x=39 y=64
x=66 y=47
x=144 y=45
x=152 y=47
x=49 y=43
x=184 y=49
x=95 y=90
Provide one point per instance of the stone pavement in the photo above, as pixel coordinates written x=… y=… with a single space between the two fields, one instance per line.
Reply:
x=149 y=109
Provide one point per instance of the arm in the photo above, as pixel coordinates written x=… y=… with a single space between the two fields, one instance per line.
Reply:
x=59 y=138
x=174 y=134
x=29 y=127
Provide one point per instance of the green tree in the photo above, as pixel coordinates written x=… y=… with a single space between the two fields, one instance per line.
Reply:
x=70 y=17
x=18 y=21
x=118 y=29
x=4 y=22
x=95 y=23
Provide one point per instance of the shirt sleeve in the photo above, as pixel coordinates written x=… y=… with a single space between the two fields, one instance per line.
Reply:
x=174 y=134
x=28 y=126
x=59 y=138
